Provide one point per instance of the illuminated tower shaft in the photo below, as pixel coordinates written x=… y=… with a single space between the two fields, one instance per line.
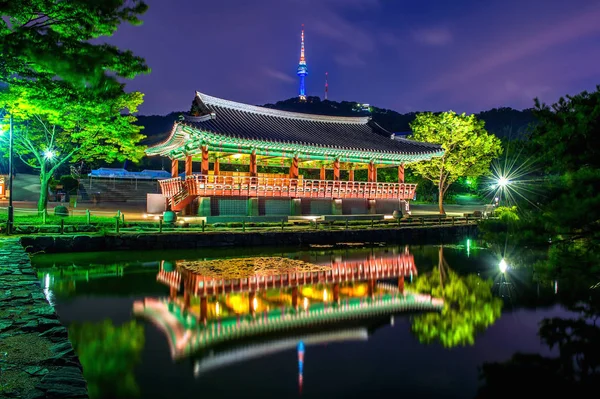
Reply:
x=302 y=70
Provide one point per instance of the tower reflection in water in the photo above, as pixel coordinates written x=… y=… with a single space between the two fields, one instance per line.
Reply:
x=220 y=319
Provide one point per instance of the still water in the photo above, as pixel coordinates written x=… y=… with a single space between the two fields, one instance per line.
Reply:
x=345 y=323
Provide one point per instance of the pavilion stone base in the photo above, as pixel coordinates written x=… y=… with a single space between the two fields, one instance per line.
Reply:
x=272 y=207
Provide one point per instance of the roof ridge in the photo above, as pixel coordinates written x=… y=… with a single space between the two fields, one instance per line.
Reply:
x=354 y=120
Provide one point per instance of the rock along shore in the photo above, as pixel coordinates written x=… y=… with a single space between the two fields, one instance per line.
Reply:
x=36 y=358
x=177 y=240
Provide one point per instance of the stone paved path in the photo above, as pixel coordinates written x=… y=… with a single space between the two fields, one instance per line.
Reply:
x=36 y=358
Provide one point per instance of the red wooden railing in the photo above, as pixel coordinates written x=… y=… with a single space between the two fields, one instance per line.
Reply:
x=202 y=185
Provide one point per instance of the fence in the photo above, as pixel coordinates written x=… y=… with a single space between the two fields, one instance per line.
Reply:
x=29 y=221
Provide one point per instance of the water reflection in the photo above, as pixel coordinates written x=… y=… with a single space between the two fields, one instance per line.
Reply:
x=219 y=314
x=470 y=306
x=294 y=312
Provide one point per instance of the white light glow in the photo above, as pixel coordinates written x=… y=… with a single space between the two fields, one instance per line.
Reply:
x=503 y=181
x=503 y=266
x=49 y=155
x=305 y=303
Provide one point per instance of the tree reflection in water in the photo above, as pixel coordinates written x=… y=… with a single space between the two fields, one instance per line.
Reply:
x=575 y=371
x=469 y=306
x=108 y=355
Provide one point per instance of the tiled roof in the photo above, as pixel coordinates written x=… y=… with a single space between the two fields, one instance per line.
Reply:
x=242 y=121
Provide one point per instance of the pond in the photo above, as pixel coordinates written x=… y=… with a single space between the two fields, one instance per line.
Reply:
x=325 y=322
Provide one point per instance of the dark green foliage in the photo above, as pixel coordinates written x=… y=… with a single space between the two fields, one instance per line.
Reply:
x=61 y=211
x=574 y=372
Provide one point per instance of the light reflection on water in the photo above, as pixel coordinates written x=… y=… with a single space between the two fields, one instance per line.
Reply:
x=355 y=323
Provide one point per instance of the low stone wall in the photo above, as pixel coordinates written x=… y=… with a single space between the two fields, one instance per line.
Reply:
x=36 y=358
x=177 y=240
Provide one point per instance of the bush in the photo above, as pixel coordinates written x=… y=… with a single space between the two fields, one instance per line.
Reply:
x=62 y=211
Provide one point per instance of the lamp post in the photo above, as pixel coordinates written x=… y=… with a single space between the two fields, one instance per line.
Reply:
x=10 y=219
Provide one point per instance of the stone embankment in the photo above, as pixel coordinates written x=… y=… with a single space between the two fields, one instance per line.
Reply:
x=36 y=358
x=176 y=240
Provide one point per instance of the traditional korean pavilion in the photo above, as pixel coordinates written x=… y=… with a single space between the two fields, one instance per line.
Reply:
x=218 y=132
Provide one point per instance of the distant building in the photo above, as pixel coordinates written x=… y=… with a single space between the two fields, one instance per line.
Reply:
x=401 y=135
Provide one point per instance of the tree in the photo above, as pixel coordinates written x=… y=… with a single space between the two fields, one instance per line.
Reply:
x=469 y=307
x=109 y=355
x=46 y=138
x=576 y=369
x=65 y=87
x=52 y=38
x=469 y=148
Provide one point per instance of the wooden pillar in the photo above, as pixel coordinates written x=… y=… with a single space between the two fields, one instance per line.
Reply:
x=371 y=289
x=336 y=169
x=351 y=175
x=294 y=168
x=204 y=165
x=251 y=298
x=401 y=284
x=188 y=165
x=371 y=172
x=203 y=308
x=336 y=293
x=174 y=168
x=186 y=299
x=217 y=167
x=322 y=173
x=172 y=292
x=295 y=297
x=253 y=167
x=401 y=173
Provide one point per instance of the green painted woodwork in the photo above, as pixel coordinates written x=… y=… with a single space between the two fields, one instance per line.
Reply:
x=186 y=140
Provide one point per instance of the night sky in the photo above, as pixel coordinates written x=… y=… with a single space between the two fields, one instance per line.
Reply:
x=407 y=55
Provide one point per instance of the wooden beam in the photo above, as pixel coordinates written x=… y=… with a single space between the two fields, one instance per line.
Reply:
x=204 y=164
x=336 y=169
x=401 y=173
x=371 y=176
x=253 y=167
x=294 y=168
x=174 y=168
x=188 y=165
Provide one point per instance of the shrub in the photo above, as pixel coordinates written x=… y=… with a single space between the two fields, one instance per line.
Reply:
x=62 y=211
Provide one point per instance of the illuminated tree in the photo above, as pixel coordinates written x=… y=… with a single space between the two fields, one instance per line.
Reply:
x=64 y=86
x=109 y=355
x=469 y=307
x=469 y=148
x=84 y=129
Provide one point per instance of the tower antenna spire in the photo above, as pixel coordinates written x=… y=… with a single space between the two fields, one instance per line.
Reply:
x=302 y=70
x=326 y=84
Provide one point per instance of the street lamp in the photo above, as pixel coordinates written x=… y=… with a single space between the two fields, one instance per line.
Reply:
x=10 y=216
x=503 y=266
x=503 y=182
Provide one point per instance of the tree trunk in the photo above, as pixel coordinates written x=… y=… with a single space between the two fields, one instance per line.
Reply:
x=441 y=199
x=43 y=201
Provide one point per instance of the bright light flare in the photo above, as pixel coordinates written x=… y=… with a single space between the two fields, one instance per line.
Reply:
x=503 y=266
x=503 y=181
x=49 y=155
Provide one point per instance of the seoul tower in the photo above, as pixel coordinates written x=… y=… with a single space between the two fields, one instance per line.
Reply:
x=302 y=70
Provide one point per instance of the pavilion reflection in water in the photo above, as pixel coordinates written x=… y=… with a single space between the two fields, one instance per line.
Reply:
x=235 y=319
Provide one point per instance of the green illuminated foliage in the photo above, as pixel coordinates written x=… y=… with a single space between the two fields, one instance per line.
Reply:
x=469 y=148
x=64 y=87
x=469 y=308
x=52 y=38
x=109 y=355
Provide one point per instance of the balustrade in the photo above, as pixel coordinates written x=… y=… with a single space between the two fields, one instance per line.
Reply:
x=215 y=185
